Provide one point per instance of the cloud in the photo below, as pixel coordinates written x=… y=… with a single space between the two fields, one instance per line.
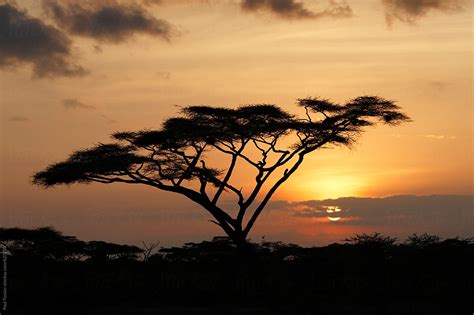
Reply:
x=165 y=75
x=170 y=2
x=107 y=21
x=428 y=136
x=397 y=135
x=18 y=119
x=27 y=40
x=438 y=85
x=312 y=212
x=291 y=9
x=152 y=2
x=108 y=119
x=409 y=11
x=97 y=49
x=438 y=137
x=435 y=213
x=72 y=103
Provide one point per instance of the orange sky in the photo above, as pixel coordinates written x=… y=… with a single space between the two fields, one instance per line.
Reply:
x=220 y=54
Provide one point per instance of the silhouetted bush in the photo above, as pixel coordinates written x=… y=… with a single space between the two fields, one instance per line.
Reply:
x=98 y=250
x=375 y=240
x=422 y=241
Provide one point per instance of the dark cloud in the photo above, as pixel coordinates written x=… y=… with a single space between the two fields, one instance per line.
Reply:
x=292 y=9
x=409 y=11
x=72 y=103
x=168 y=2
x=19 y=119
x=107 y=21
x=27 y=40
x=437 y=213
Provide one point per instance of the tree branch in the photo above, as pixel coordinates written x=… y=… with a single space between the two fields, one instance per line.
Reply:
x=259 y=209
x=232 y=152
x=229 y=172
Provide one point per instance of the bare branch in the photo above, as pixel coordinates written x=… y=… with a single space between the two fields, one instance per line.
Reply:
x=248 y=160
x=229 y=172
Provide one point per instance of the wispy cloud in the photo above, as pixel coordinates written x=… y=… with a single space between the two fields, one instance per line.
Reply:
x=439 y=137
x=18 y=119
x=291 y=9
x=438 y=85
x=75 y=104
x=397 y=135
x=409 y=11
x=72 y=103
x=108 y=119
x=428 y=136
x=165 y=75
x=27 y=40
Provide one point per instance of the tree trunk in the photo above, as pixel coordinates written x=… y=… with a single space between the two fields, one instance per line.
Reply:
x=243 y=246
x=239 y=238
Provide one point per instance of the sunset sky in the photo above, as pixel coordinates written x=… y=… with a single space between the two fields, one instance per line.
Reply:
x=73 y=72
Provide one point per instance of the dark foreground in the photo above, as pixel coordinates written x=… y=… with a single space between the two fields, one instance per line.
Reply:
x=366 y=275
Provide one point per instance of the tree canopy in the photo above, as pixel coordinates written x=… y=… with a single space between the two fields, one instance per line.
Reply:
x=175 y=158
x=48 y=243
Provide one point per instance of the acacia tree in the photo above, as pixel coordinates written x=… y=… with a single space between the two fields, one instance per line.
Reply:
x=175 y=158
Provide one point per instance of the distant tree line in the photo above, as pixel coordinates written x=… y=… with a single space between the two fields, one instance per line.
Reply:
x=49 y=244
x=52 y=273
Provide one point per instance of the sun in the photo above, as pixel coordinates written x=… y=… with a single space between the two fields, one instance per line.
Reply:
x=332 y=211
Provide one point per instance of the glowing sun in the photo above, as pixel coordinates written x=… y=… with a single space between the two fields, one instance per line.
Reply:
x=332 y=213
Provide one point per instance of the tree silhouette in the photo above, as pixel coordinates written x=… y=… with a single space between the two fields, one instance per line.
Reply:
x=44 y=243
x=264 y=137
x=100 y=250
